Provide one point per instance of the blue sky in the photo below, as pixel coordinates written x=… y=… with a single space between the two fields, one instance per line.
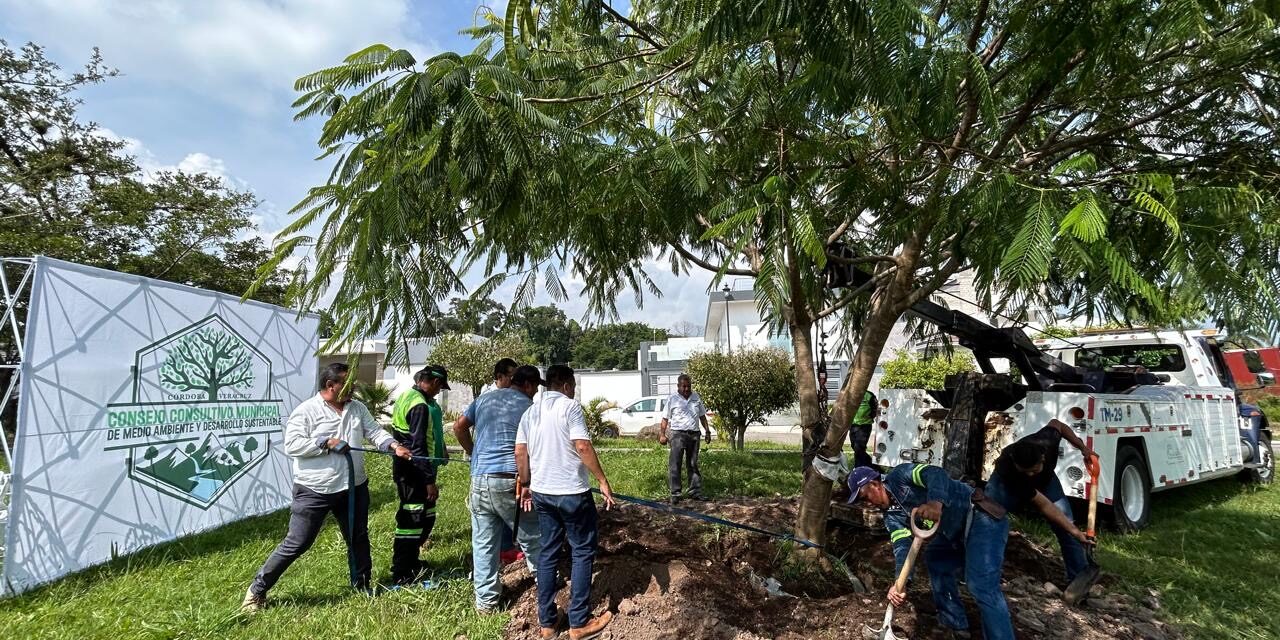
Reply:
x=206 y=86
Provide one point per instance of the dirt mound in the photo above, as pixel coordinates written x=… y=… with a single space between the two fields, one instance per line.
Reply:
x=669 y=577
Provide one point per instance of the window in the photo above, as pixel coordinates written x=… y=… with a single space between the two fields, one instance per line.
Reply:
x=644 y=406
x=1152 y=357
x=663 y=385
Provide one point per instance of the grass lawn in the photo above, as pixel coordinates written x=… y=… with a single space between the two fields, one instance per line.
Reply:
x=192 y=588
x=1213 y=551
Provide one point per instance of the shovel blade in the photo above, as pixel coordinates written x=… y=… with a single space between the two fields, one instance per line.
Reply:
x=1078 y=590
x=883 y=633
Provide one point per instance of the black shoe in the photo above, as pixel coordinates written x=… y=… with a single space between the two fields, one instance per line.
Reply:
x=675 y=498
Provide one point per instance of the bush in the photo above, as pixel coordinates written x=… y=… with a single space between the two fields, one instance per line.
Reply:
x=470 y=361
x=906 y=371
x=743 y=387
x=597 y=426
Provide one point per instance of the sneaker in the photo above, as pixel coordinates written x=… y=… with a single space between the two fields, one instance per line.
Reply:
x=593 y=628
x=425 y=585
x=252 y=603
x=486 y=611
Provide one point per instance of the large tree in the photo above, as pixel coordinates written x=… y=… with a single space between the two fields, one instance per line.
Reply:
x=550 y=334
x=1116 y=157
x=69 y=191
x=613 y=346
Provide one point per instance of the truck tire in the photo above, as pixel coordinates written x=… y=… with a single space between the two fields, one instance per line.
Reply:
x=1131 y=504
x=1266 y=473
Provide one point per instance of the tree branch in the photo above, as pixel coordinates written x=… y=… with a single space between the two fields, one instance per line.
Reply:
x=707 y=265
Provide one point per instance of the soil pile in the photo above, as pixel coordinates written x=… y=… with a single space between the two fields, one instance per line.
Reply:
x=671 y=577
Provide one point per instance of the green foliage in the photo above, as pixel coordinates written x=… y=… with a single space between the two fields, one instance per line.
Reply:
x=613 y=346
x=548 y=331
x=479 y=316
x=907 y=371
x=597 y=425
x=1066 y=153
x=1270 y=406
x=1057 y=331
x=71 y=192
x=377 y=398
x=743 y=387
x=470 y=361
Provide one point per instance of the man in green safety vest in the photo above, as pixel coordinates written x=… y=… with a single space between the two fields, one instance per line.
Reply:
x=860 y=429
x=418 y=424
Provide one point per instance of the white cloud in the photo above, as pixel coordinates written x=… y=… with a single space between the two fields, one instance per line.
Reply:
x=241 y=52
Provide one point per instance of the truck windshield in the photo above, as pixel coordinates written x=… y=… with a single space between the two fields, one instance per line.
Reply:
x=1152 y=357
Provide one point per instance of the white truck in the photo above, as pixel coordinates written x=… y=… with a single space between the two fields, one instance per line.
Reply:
x=1159 y=408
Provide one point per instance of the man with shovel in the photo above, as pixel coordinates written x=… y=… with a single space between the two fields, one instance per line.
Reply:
x=1024 y=476
x=971 y=536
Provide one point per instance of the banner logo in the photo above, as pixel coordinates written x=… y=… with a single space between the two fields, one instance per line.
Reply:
x=201 y=416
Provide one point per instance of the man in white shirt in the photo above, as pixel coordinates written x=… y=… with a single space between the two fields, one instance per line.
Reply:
x=553 y=456
x=685 y=411
x=316 y=437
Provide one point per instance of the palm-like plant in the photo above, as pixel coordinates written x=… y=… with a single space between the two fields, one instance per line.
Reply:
x=376 y=397
x=597 y=425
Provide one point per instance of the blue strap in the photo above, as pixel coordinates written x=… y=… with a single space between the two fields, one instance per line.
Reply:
x=662 y=506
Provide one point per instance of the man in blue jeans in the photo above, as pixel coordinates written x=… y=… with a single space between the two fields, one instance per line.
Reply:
x=553 y=456
x=973 y=534
x=492 y=500
x=1024 y=476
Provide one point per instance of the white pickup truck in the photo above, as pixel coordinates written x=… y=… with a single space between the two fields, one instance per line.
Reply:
x=1179 y=422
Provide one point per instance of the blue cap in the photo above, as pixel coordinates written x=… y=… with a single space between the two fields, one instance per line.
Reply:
x=859 y=478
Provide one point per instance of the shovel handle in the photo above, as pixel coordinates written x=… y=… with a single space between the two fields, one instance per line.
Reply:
x=1095 y=470
x=918 y=538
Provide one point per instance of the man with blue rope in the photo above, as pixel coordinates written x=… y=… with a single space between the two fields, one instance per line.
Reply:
x=328 y=477
x=972 y=539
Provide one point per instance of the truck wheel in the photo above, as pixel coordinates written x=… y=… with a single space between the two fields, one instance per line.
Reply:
x=1265 y=473
x=610 y=432
x=1131 y=506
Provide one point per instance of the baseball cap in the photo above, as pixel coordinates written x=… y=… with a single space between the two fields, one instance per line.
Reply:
x=434 y=371
x=859 y=478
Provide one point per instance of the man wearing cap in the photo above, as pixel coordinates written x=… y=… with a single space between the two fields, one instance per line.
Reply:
x=971 y=540
x=492 y=501
x=553 y=456
x=418 y=425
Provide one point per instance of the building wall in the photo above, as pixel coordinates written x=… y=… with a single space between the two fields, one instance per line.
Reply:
x=618 y=387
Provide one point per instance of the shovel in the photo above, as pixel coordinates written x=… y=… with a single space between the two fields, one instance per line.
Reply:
x=919 y=537
x=1076 y=592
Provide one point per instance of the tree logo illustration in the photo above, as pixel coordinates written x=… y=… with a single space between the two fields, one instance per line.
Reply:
x=208 y=360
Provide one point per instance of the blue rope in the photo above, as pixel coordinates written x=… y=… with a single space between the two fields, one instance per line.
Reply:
x=351 y=512
x=392 y=455
x=662 y=506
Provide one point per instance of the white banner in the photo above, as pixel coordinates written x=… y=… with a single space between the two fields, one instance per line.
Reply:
x=148 y=411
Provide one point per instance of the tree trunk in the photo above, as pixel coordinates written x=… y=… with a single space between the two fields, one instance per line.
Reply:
x=741 y=437
x=812 y=425
x=887 y=306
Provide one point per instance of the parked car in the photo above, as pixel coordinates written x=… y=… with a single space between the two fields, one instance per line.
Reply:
x=640 y=413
